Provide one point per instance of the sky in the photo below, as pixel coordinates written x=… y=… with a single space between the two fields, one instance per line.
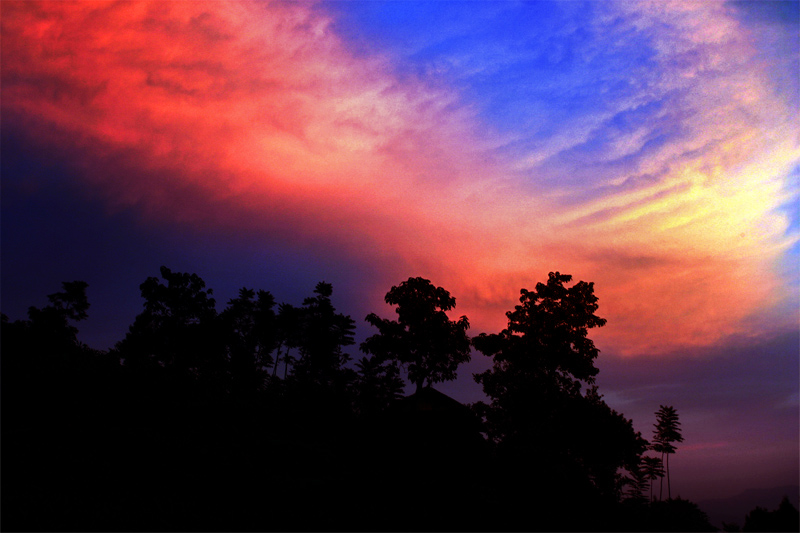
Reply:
x=650 y=148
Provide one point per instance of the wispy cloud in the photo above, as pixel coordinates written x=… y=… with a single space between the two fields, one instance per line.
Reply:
x=651 y=158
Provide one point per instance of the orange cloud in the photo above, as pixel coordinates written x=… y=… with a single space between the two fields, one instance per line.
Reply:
x=255 y=117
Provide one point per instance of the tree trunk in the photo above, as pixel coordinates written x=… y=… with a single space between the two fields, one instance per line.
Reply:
x=661 y=490
x=277 y=360
x=421 y=374
x=669 y=490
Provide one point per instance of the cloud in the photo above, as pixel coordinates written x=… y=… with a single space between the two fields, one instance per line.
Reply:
x=689 y=170
x=663 y=186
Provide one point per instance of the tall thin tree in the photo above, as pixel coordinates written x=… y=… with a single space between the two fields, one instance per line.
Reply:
x=652 y=469
x=667 y=431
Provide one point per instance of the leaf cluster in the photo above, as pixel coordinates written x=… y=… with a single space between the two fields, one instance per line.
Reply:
x=667 y=430
x=423 y=339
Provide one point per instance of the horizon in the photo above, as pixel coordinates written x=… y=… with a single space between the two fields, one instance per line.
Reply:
x=649 y=148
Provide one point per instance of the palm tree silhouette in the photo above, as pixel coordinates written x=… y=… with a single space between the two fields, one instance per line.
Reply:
x=667 y=431
x=652 y=468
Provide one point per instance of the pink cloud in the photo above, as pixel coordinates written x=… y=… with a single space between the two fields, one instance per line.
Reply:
x=255 y=117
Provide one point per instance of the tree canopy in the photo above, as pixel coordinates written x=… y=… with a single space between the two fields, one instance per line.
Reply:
x=249 y=327
x=542 y=422
x=547 y=336
x=324 y=334
x=423 y=338
x=177 y=329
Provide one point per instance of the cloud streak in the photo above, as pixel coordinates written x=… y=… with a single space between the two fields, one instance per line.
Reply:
x=259 y=117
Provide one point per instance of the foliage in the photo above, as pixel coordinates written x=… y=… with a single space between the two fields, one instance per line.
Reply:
x=177 y=329
x=667 y=431
x=42 y=354
x=290 y=336
x=784 y=518
x=377 y=385
x=49 y=330
x=423 y=338
x=324 y=334
x=72 y=303
x=547 y=337
x=677 y=515
x=642 y=475
x=250 y=329
x=540 y=358
x=653 y=468
x=538 y=417
x=635 y=485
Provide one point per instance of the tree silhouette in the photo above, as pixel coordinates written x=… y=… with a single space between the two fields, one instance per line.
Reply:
x=50 y=326
x=72 y=303
x=39 y=355
x=636 y=483
x=377 y=385
x=603 y=440
x=290 y=335
x=177 y=330
x=667 y=431
x=544 y=351
x=250 y=329
x=652 y=468
x=547 y=335
x=193 y=418
x=542 y=423
x=56 y=393
x=676 y=515
x=784 y=518
x=324 y=335
x=423 y=337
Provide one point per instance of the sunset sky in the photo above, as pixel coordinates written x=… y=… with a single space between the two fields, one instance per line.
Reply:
x=652 y=148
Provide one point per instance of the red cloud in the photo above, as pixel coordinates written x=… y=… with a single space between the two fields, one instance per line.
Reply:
x=255 y=117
